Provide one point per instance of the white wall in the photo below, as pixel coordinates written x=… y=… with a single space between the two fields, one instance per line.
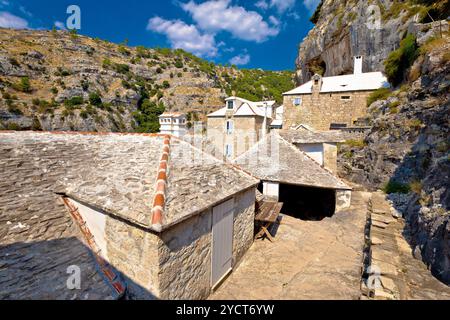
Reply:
x=96 y=222
x=315 y=151
x=271 y=189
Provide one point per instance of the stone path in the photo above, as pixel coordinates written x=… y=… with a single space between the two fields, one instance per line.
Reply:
x=308 y=260
x=394 y=273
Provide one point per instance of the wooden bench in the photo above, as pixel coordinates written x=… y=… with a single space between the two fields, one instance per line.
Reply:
x=267 y=213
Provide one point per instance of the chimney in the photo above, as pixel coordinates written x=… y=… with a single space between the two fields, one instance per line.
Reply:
x=357 y=69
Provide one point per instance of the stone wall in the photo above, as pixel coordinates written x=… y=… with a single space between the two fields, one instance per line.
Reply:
x=320 y=111
x=330 y=157
x=186 y=249
x=134 y=252
x=247 y=131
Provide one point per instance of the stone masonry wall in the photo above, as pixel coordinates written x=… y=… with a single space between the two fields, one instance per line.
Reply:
x=134 y=252
x=246 y=133
x=330 y=157
x=244 y=217
x=320 y=111
x=186 y=249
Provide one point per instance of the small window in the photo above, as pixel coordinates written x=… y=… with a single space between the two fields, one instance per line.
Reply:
x=346 y=98
x=297 y=101
x=230 y=105
x=228 y=151
x=230 y=126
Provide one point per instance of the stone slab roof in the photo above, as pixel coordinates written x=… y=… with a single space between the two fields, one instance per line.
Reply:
x=38 y=238
x=131 y=175
x=305 y=136
x=120 y=174
x=276 y=160
x=345 y=83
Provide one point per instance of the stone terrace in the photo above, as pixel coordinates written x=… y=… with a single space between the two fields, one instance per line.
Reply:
x=308 y=260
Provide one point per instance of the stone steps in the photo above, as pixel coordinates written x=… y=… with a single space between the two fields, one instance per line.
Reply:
x=392 y=272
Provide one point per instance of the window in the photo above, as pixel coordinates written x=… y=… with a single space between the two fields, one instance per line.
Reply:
x=230 y=105
x=228 y=151
x=297 y=101
x=346 y=98
x=230 y=126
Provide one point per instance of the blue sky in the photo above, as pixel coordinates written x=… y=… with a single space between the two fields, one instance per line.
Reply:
x=251 y=34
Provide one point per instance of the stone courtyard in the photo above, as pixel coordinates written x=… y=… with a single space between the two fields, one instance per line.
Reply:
x=324 y=260
x=307 y=260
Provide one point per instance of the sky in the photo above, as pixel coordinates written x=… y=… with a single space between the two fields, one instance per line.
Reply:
x=250 y=34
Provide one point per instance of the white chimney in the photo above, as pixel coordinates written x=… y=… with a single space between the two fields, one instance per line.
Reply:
x=357 y=69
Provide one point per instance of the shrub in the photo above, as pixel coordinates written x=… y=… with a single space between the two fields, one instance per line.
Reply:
x=179 y=64
x=396 y=187
x=123 y=50
x=380 y=94
x=23 y=85
x=356 y=143
x=121 y=68
x=416 y=187
x=159 y=70
x=179 y=75
x=147 y=116
x=74 y=101
x=62 y=72
x=401 y=59
x=166 y=84
x=106 y=63
x=95 y=99
x=315 y=17
x=54 y=90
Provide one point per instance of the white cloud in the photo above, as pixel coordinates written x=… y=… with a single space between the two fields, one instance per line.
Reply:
x=4 y=3
x=8 y=20
x=184 y=36
x=240 y=60
x=25 y=11
x=262 y=4
x=219 y=15
x=60 y=25
x=282 y=5
x=311 y=5
x=274 y=21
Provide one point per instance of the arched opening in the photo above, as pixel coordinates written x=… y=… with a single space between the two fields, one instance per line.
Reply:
x=307 y=203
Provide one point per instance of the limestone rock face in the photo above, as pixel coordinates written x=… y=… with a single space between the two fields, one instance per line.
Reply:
x=409 y=144
x=346 y=29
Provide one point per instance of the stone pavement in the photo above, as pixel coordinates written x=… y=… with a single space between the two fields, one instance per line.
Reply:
x=308 y=260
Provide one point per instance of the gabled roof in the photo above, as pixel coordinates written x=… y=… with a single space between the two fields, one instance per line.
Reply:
x=152 y=181
x=345 y=83
x=247 y=108
x=276 y=160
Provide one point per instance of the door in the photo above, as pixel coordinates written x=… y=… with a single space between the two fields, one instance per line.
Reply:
x=222 y=245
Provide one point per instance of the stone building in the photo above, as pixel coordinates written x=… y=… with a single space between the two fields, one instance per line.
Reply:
x=329 y=102
x=173 y=123
x=288 y=175
x=240 y=124
x=321 y=146
x=143 y=216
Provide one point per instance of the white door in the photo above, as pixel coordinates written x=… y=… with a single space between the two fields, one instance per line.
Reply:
x=222 y=246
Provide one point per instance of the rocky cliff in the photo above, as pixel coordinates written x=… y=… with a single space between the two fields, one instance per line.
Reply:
x=347 y=28
x=407 y=153
x=56 y=80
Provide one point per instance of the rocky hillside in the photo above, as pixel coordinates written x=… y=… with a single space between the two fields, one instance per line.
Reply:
x=56 y=80
x=346 y=28
x=407 y=152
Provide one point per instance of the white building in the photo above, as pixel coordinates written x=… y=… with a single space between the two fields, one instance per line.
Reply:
x=173 y=123
x=277 y=123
